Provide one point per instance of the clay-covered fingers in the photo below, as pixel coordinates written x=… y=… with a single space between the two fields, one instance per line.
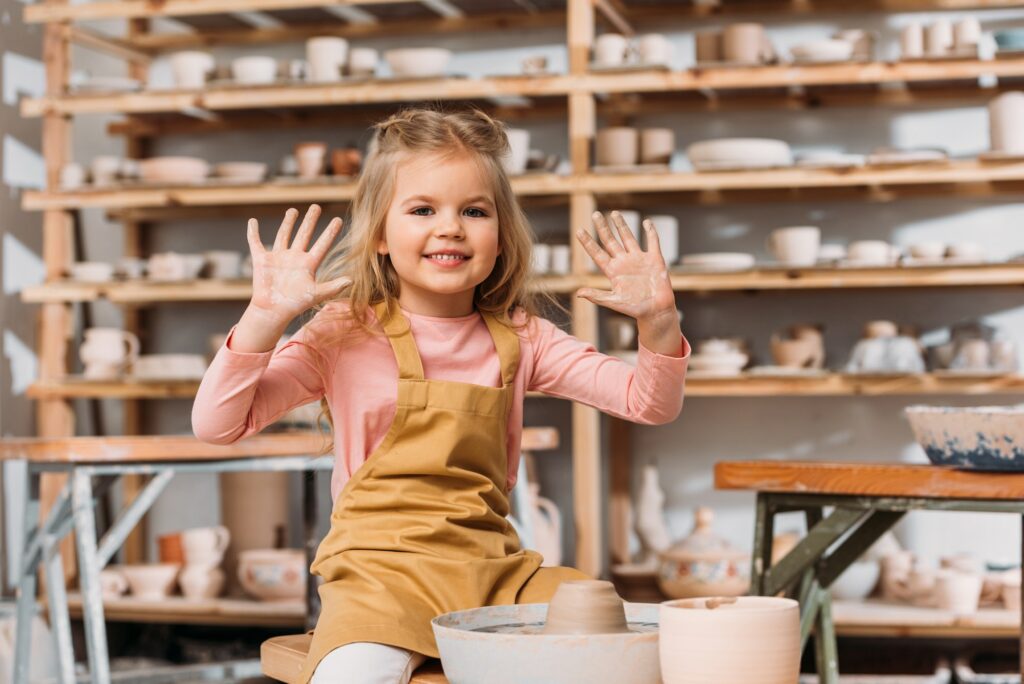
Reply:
x=653 y=241
x=284 y=233
x=307 y=227
x=591 y=247
x=326 y=239
x=332 y=288
x=625 y=233
x=252 y=234
x=610 y=243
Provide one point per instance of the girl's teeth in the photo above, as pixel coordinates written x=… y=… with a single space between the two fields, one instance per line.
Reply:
x=445 y=257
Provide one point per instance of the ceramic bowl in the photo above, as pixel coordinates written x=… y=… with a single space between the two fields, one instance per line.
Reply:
x=722 y=362
x=857 y=581
x=975 y=438
x=1009 y=39
x=739 y=153
x=173 y=170
x=418 y=62
x=719 y=261
x=273 y=574
x=150 y=581
x=249 y=172
x=471 y=655
x=822 y=51
x=254 y=70
x=92 y=271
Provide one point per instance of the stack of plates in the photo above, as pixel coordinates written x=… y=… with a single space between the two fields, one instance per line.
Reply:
x=719 y=261
x=173 y=170
x=734 y=154
x=720 y=363
x=241 y=172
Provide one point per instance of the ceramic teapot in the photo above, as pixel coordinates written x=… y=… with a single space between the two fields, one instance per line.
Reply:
x=107 y=352
x=703 y=564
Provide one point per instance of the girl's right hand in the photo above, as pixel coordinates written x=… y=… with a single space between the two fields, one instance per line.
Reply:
x=284 y=278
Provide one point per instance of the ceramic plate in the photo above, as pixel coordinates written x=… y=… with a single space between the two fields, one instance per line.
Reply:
x=718 y=261
x=907 y=157
x=1004 y=157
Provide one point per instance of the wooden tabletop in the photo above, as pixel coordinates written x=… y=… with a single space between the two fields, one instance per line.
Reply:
x=164 y=448
x=867 y=479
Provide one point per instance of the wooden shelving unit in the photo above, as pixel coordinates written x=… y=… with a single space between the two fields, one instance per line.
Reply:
x=578 y=97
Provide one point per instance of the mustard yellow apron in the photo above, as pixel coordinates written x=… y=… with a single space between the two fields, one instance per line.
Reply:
x=420 y=529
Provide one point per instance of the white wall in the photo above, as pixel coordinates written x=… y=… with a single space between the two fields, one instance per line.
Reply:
x=709 y=429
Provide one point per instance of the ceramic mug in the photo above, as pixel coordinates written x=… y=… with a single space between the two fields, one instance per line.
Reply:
x=912 y=41
x=938 y=38
x=519 y=151
x=107 y=352
x=967 y=33
x=191 y=68
x=958 y=592
x=362 y=61
x=617 y=146
x=708 y=47
x=208 y=539
x=254 y=70
x=667 y=229
x=1006 y=123
x=873 y=252
x=657 y=145
x=311 y=158
x=795 y=245
x=744 y=43
x=201 y=582
x=326 y=56
x=655 y=49
x=610 y=50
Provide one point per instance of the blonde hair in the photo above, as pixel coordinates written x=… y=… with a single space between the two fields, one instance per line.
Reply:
x=431 y=131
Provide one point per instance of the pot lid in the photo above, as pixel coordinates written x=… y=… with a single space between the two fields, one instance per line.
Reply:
x=702 y=543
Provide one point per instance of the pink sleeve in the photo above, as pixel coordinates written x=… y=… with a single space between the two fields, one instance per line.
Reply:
x=566 y=367
x=242 y=393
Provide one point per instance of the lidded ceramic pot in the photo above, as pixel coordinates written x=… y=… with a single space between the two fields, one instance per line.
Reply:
x=730 y=640
x=703 y=564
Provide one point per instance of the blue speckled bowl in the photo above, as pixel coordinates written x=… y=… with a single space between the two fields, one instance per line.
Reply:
x=975 y=438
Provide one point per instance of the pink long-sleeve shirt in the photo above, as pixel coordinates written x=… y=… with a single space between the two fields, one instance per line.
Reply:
x=242 y=393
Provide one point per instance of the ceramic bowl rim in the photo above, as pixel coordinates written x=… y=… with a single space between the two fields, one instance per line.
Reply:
x=761 y=604
x=443 y=623
x=929 y=410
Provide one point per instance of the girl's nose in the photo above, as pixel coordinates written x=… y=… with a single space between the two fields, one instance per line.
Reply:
x=450 y=227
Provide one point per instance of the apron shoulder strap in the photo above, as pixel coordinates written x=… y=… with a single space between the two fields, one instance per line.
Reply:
x=506 y=341
x=396 y=327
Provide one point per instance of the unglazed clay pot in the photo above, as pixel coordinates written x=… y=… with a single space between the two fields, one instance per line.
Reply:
x=744 y=43
x=657 y=145
x=703 y=564
x=346 y=161
x=311 y=157
x=730 y=641
x=585 y=607
x=618 y=146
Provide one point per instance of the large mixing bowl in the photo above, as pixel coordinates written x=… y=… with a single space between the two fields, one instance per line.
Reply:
x=472 y=657
x=977 y=437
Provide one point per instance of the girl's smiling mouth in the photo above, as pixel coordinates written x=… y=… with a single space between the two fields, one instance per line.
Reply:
x=447 y=258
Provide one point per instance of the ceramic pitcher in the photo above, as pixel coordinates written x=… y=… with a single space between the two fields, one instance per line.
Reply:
x=107 y=352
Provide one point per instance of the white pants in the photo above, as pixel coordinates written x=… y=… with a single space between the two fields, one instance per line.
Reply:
x=367 y=663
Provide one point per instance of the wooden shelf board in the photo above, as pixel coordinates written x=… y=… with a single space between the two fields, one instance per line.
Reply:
x=659 y=12
x=880 y=619
x=841 y=384
x=179 y=610
x=704 y=80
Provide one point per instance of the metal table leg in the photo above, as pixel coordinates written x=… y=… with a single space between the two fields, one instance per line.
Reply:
x=88 y=577
x=60 y=620
x=26 y=585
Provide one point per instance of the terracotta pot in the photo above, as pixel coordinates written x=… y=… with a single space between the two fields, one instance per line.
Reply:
x=657 y=145
x=709 y=46
x=617 y=146
x=725 y=640
x=744 y=43
x=346 y=161
x=170 y=549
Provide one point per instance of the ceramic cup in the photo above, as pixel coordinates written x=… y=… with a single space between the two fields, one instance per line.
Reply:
x=938 y=38
x=223 y=264
x=617 y=146
x=795 y=245
x=107 y=352
x=72 y=176
x=958 y=592
x=870 y=252
x=744 y=43
x=965 y=250
x=708 y=46
x=561 y=259
x=928 y=249
x=667 y=228
x=540 y=258
x=311 y=158
x=655 y=49
x=967 y=33
x=657 y=145
x=92 y=271
x=698 y=640
x=113 y=583
x=191 y=68
x=205 y=545
x=105 y=170
x=326 y=56
x=254 y=70
x=519 y=151
x=1006 y=123
x=610 y=50
x=362 y=61
x=912 y=41
x=201 y=582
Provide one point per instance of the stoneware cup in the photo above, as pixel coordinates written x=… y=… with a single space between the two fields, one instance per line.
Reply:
x=618 y=146
x=191 y=68
x=938 y=38
x=326 y=56
x=708 y=46
x=311 y=158
x=1006 y=123
x=610 y=50
x=795 y=245
x=912 y=41
x=657 y=145
x=744 y=43
x=655 y=49
x=725 y=640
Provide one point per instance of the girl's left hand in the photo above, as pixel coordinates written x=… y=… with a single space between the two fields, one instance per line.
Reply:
x=639 y=279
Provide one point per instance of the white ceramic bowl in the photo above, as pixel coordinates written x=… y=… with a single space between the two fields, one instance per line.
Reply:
x=719 y=261
x=173 y=169
x=739 y=153
x=418 y=62
x=150 y=581
x=273 y=574
x=857 y=581
x=977 y=437
x=250 y=172
x=718 y=363
x=92 y=271
x=470 y=656
x=254 y=70
x=822 y=51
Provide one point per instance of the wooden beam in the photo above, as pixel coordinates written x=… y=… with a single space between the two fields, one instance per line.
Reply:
x=109 y=45
x=615 y=14
x=154 y=9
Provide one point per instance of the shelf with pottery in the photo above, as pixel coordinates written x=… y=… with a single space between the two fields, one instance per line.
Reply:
x=183 y=611
x=141 y=292
x=214 y=193
x=876 y=618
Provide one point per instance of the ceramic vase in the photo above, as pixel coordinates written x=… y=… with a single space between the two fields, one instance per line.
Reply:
x=730 y=641
x=744 y=43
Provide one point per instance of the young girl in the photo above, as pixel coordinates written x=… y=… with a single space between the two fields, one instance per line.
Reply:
x=425 y=345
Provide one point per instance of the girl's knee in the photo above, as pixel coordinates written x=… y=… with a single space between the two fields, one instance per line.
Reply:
x=367 y=663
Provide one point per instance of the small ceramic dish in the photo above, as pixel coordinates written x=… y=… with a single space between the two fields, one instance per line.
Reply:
x=241 y=172
x=718 y=261
x=830 y=160
x=418 y=62
x=822 y=52
x=973 y=438
x=173 y=170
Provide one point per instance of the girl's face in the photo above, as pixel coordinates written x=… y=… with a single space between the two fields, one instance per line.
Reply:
x=441 y=232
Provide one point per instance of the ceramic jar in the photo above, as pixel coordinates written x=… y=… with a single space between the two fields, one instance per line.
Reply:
x=519 y=151
x=617 y=146
x=703 y=564
x=744 y=43
x=1006 y=123
x=726 y=640
x=311 y=158
x=795 y=246
x=108 y=352
x=326 y=56
x=657 y=145
x=273 y=574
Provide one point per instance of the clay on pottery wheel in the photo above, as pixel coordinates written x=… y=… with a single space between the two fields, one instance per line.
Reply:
x=585 y=607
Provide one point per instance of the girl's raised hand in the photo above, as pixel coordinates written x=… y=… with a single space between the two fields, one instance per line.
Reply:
x=284 y=278
x=639 y=279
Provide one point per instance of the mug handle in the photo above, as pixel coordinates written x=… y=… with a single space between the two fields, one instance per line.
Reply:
x=132 y=343
x=223 y=538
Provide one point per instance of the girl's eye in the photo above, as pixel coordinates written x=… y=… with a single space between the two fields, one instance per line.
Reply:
x=417 y=211
x=478 y=213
